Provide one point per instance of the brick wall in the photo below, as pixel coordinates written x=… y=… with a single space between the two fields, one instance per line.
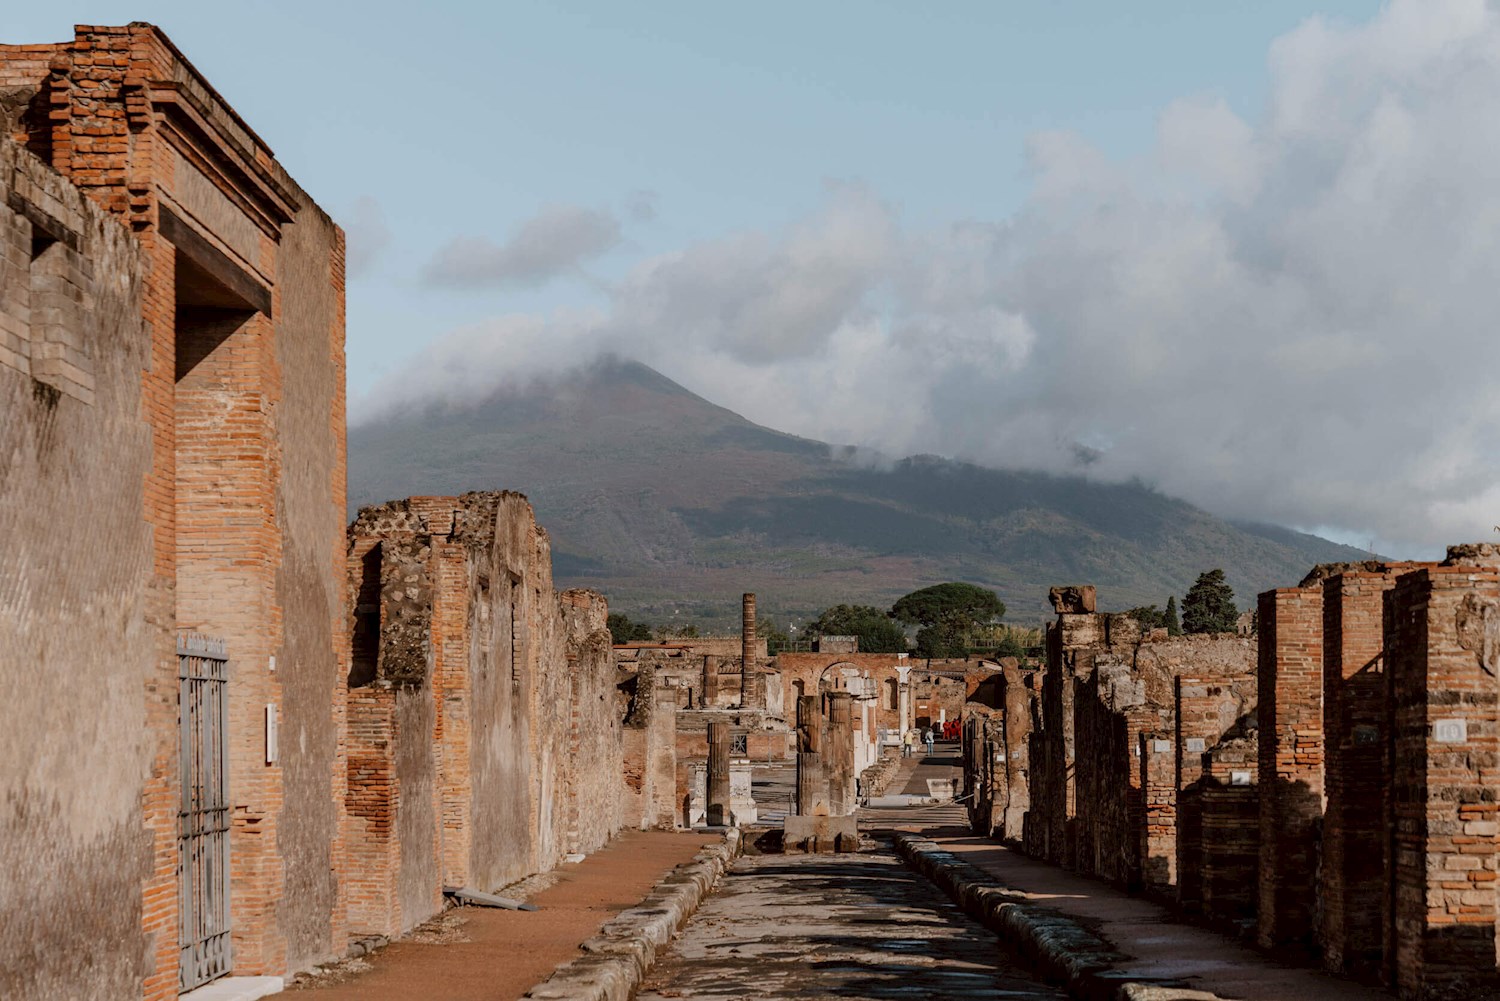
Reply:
x=511 y=752
x=1290 y=763
x=1209 y=710
x=1443 y=656
x=241 y=391
x=85 y=622
x=1352 y=885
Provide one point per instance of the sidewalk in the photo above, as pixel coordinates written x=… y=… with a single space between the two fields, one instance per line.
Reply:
x=1159 y=945
x=485 y=954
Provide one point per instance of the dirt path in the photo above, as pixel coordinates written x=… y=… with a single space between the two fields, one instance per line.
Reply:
x=499 y=955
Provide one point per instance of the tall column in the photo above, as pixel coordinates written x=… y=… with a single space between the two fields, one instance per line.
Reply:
x=1290 y=710
x=718 y=774
x=903 y=696
x=710 y=697
x=812 y=778
x=839 y=755
x=752 y=694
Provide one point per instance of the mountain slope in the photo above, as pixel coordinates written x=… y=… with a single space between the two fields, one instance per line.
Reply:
x=667 y=502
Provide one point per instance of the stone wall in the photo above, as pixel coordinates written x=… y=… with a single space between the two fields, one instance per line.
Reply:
x=486 y=738
x=85 y=619
x=237 y=394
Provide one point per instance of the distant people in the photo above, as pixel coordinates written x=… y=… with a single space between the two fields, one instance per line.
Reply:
x=930 y=737
x=908 y=742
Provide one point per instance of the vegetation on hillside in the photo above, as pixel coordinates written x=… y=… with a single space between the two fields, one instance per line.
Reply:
x=947 y=615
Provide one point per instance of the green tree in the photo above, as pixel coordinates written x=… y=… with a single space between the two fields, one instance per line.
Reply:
x=947 y=614
x=775 y=637
x=876 y=632
x=625 y=631
x=1208 y=606
x=1149 y=616
x=1174 y=627
x=687 y=632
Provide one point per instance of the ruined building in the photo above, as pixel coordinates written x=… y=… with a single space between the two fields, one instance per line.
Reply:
x=1325 y=787
x=239 y=737
x=172 y=391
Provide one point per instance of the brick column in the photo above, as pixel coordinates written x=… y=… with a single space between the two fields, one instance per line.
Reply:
x=1352 y=874
x=1290 y=762
x=1443 y=647
x=752 y=695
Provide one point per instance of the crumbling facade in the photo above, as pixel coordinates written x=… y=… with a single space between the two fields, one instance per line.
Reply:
x=172 y=408
x=1324 y=786
x=239 y=736
x=485 y=724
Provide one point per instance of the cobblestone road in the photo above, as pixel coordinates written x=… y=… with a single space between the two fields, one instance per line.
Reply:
x=834 y=926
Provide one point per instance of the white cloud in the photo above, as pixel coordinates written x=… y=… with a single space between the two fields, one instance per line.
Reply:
x=1290 y=319
x=554 y=243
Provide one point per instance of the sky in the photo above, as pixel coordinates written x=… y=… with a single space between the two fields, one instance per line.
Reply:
x=1245 y=253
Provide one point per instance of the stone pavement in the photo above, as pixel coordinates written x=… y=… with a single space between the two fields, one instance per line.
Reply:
x=1159 y=945
x=860 y=926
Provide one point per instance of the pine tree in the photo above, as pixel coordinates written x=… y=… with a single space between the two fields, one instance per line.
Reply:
x=1208 y=606
x=1174 y=628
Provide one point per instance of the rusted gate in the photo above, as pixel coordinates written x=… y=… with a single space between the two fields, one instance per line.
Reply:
x=203 y=810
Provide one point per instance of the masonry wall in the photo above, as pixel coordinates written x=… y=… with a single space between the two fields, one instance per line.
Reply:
x=1355 y=845
x=1290 y=671
x=486 y=723
x=1211 y=710
x=649 y=797
x=85 y=618
x=1443 y=648
x=242 y=388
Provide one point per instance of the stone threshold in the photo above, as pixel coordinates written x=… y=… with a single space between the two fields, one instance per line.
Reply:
x=235 y=989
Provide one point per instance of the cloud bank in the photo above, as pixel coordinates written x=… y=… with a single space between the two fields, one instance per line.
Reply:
x=1291 y=319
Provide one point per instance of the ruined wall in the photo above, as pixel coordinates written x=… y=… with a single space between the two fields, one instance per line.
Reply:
x=650 y=752
x=1354 y=847
x=493 y=703
x=1291 y=762
x=595 y=790
x=1210 y=711
x=85 y=619
x=1443 y=652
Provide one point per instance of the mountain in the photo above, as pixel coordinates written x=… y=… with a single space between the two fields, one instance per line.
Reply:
x=670 y=504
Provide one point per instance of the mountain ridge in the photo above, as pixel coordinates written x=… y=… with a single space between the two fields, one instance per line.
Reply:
x=671 y=504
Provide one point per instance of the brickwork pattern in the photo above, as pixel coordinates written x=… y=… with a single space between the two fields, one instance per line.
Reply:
x=1290 y=762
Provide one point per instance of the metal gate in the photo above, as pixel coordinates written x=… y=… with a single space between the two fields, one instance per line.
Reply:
x=203 y=811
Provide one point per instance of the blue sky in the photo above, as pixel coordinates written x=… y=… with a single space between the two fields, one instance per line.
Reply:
x=1210 y=242
x=468 y=118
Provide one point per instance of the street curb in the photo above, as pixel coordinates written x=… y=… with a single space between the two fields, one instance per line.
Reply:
x=615 y=960
x=1054 y=945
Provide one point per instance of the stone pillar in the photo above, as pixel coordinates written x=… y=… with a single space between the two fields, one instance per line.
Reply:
x=1290 y=707
x=752 y=694
x=718 y=774
x=710 y=681
x=812 y=778
x=1442 y=643
x=903 y=696
x=839 y=755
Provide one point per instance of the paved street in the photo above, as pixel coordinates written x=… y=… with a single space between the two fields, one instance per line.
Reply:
x=834 y=926
x=841 y=926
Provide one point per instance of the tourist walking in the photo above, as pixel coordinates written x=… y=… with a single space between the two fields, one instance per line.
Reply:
x=908 y=742
x=929 y=736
